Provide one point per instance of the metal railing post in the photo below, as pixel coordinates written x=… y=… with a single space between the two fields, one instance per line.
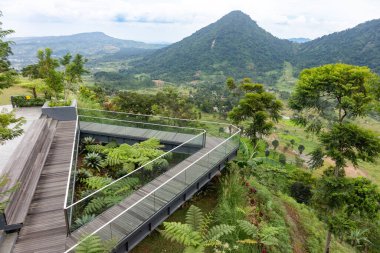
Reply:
x=67 y=222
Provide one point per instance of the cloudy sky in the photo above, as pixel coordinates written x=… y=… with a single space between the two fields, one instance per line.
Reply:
x=172 y=20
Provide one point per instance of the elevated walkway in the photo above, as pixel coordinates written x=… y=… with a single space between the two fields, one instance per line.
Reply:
x=46 y=167
x=128 y=222
x=44 y=229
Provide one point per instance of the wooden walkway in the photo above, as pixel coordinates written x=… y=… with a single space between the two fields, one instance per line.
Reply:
x=139 y=133
x=44 y=229
x=133 y=218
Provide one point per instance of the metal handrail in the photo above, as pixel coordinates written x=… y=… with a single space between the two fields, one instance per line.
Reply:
x=144 y=123
x=163 y=117
x=152 y=192
x=71 y=162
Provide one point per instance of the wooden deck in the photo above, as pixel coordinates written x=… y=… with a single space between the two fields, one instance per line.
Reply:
x=139 y=133
x=44 y=229
x=133 y=218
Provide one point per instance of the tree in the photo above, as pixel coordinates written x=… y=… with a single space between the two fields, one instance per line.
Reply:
x=31 y=71
x=301 y=148
x=258 y=107
x=292 y=142
x=196 y=234
x=332 y=95
x=341 y=200
x=7 y=74
x=74 y=69
x=54 y=81
x=10 y=126
x=46 y=64
x=275 y=144
x=282 y=159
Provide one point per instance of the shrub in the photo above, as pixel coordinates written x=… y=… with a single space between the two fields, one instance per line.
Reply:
x=56 y=103
x=26 y=101
x=301 y=192
x=282 y=159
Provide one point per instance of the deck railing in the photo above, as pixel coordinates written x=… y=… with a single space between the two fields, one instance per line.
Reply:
x=158 y=197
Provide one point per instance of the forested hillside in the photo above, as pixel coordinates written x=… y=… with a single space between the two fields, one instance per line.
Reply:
x=234 y=46
x=359 y=46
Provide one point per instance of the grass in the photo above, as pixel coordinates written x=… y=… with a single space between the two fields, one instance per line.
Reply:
x=287 y=81
x=206 y=201
x=5 y=95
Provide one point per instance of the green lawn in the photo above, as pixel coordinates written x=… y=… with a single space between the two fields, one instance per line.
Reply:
x=5 y=95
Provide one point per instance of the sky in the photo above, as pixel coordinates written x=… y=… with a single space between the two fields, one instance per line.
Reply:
x=172 y=20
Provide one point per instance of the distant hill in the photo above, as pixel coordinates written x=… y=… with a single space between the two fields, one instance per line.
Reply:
x=234 y=45
x=91 y=45
x=359 y=45
x=299 y=40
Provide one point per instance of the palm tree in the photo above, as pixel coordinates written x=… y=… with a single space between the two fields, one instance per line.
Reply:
x=195 y=234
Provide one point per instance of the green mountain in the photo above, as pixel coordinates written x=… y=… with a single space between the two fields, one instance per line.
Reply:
x=92 y=45
x=236 y=46
x=233 y=46
x=359 y=46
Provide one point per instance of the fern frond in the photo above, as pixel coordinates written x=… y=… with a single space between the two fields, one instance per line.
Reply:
x=97 y=205
x=216 y=232
x=152 y=143
x=124 y=186
x=92 y=244
x=181 y=233
x=194 y=218
x=97 y=182
x=248 y=228
x=95 y=148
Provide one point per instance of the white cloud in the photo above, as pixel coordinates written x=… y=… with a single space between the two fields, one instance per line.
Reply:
x=171 y=20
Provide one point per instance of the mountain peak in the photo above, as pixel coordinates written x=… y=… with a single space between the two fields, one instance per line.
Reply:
x=237 y=16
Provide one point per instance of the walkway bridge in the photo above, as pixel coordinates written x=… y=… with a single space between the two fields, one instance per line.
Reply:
x=208 y=146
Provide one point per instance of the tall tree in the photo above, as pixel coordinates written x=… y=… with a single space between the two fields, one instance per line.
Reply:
x=258 y=107
x=7 y=74
x=326 y=100
x=32 y=72
x=46 y=63
x=73 y=72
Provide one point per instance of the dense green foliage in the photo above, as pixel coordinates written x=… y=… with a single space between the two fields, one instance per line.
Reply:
x=7 y=74
x=167 y=102
x=336 y=94
x=122 y=80
x=196 y=234
x=10 y=126
x=26 y=101
x=102 y=164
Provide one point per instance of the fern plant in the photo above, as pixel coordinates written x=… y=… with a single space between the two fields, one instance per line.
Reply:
x=93 y=160
x=262 y=237
x=109 y=196
x=195 y=234
x=92 y=244
x=88 y=140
